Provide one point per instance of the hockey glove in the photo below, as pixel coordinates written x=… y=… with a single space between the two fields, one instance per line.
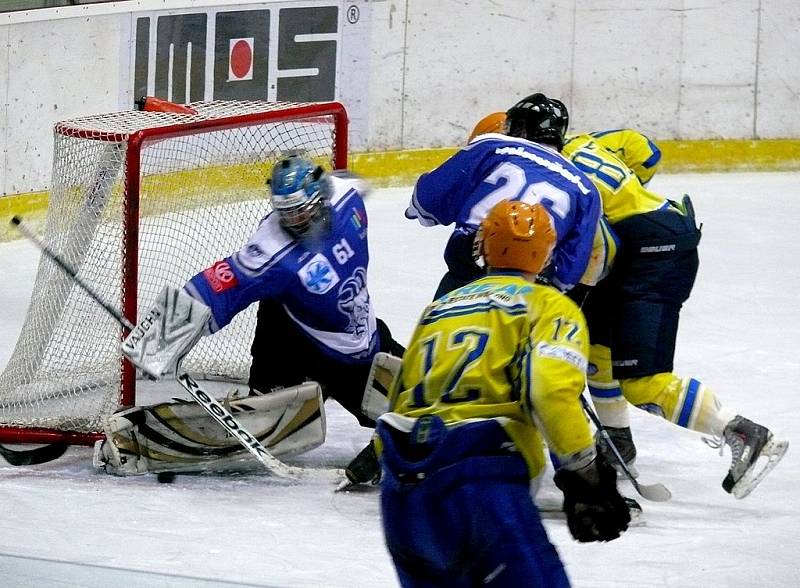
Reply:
x=168 y=331
x=595 y=510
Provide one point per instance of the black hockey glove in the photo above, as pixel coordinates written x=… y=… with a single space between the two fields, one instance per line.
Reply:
x=595 y=510
x=578 y=294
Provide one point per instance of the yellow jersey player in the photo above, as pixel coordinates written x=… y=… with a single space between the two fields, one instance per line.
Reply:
x=492 y=368
x=638 y=152
x=633 y=313
x=633 y=319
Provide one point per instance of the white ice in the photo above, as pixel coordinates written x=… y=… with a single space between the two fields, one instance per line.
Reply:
x=63 y=524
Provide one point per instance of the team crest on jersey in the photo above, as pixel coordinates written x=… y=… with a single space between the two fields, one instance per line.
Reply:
x=354 y=302
x=318 y=275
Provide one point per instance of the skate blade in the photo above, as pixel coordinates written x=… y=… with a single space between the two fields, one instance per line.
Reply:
x=773 y=451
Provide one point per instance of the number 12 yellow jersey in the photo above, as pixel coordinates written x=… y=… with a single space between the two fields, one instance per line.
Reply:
x=501 y=348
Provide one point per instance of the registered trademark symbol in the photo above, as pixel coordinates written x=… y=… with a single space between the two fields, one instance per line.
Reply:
x=353 y=13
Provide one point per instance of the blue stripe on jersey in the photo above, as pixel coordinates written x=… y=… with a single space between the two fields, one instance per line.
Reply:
x=688 y=403
x=655 y=157
x=604 y=229
x=599 y=134
x=605 y=392
x=435 y=316
x=480 y=305
x=527 y=381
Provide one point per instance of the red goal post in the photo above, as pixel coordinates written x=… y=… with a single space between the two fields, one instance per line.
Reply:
x=140 y=199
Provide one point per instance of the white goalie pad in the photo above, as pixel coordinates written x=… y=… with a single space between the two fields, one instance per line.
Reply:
x=166 y=333
x=180 y=436
x=384 y=369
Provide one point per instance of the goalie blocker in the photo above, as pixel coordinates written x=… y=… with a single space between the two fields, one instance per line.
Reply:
x=180 y=436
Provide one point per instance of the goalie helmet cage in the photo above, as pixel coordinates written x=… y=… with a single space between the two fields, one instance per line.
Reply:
x=140 y=199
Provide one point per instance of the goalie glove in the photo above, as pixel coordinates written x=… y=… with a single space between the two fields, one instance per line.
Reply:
x=166 y=333
x=595 y=510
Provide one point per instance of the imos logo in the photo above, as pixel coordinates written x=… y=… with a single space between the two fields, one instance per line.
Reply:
x=269 y=54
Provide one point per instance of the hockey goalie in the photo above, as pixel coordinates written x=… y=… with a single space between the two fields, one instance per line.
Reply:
x=316 y=333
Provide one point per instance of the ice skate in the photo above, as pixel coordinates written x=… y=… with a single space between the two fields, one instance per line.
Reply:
x=623 y=441
x=363 y=469
x=754 y=453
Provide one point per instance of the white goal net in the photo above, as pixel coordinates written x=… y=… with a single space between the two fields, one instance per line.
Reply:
x=138 y=200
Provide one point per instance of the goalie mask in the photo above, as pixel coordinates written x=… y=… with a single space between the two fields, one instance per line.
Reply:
x=300 y=195
x=517 y=236
x=538 y=118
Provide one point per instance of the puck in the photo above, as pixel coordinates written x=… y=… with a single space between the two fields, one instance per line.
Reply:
x=166 y=477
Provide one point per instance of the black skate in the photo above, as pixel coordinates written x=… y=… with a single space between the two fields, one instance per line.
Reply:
x=754 y=453
x=364 y=469
x=623 y=441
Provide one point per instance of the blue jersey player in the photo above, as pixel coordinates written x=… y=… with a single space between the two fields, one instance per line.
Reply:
x=306 y=266
x=524 y=164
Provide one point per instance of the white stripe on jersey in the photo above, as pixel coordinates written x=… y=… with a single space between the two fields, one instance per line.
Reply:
x=345 y=343
x=265 y=248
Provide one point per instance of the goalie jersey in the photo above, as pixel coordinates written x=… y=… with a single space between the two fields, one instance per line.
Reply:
x=496 y=167
x=322 y=282
x=500 y=348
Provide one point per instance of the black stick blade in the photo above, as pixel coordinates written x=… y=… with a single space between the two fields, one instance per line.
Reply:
x=25 y=457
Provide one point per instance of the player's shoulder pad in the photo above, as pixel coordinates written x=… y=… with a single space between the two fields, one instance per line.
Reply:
x=482 y=139
x=573 y=142
x=269 y=242
x=343 y=182
x=553 y=296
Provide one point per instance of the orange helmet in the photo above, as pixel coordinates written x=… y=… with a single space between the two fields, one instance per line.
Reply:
x=492 y=123
x=517 y=235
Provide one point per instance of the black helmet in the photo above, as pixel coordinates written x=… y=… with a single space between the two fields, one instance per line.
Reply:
x=538 y=118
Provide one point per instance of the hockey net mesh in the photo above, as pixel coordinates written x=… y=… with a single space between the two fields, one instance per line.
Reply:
x=201 y=195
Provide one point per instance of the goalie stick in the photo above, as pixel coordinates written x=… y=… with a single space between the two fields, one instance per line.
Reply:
x=653 y=492
x=218 y=412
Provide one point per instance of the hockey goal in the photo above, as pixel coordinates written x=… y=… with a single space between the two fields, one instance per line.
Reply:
x=140 y=199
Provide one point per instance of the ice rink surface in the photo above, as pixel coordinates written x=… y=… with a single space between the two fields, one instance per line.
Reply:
x=63 y=524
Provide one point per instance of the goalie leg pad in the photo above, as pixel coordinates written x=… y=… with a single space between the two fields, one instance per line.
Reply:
x=180 y=436
x=375 y=401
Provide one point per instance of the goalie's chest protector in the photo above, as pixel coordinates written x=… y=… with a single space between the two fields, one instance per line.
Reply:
x=322 y=283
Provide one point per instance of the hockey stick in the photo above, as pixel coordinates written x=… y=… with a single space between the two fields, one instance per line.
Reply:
x=653 y=492
x=25 y=457
x=218 y=412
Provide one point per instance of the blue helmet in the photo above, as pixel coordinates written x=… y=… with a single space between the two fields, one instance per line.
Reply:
x=300 y=193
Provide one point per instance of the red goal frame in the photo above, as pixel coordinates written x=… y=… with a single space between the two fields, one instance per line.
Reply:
x=136 y=141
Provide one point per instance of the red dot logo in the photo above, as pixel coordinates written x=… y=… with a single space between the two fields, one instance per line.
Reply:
x=240 y=59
